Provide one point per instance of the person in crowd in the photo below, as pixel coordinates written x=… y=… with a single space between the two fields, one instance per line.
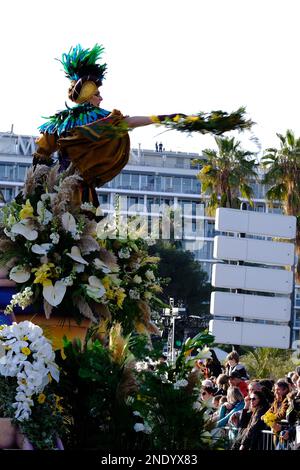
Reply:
x=216 y=401
x=235 y=380
x=233 y=364
x=295 y=378
x=250 y=426
x=292 y=416
x=212 y=365
x=280 y=404
x=222 y=384
x=207 y=395
x=235 y=402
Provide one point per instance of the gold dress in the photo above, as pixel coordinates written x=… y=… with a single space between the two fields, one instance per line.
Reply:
x=98 y=150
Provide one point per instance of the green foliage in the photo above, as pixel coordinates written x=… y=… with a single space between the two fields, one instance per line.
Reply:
x=98 y=416
x=113 y=404
x=226 y=174
x=268 y=363
x=187 y=282
x=166 y=403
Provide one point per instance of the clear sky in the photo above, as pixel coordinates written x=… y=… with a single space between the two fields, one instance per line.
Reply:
x=163 y=56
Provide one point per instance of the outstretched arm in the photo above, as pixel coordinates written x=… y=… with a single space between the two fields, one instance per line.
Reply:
x=138 y=121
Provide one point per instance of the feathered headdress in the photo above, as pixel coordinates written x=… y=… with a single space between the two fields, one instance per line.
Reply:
x=81 y=67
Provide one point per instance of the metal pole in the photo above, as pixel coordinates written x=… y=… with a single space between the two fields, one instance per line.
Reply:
x=171 y=303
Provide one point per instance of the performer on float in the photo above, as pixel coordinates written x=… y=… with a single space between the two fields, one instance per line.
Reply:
x=94 y=140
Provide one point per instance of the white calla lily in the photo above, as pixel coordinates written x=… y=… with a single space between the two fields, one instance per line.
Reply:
x=76 y=255
x=101 y=265
x=95 y=289
x=41 y=249
x=25 y=229
x=19 y=274
x=68 y=222
x=54 y=294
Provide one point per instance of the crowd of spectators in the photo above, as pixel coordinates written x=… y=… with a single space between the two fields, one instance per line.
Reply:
x=245 y=407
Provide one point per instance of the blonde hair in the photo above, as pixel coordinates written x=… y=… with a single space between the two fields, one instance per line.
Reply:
x=234 y=394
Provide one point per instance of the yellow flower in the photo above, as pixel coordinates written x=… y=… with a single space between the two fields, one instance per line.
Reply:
x=41 y=398
x=26 y=351
x=42 y=274
x=58 y=406
x=62 y=353
x=155 y=119
x=120 y=297
x=106 y=281
x=192 y=118
x=26 y=211
x=176 y=118
x=25 y=338
x=23 y=381
x=109 y=293
x=269 y=418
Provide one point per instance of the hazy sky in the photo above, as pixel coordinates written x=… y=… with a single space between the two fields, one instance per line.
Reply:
x=163 y=56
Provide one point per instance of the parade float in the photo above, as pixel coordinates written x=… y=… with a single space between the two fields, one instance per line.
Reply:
x=77 y=367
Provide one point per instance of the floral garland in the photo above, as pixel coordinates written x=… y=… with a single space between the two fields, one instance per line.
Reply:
x=28 y=356
x=216 y=122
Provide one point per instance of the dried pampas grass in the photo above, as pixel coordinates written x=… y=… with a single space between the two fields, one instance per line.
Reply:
x=87 y=244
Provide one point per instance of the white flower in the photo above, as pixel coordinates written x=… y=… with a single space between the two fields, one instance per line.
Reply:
x=10 y=235
x=137 y=279
x=134 y=294
x=101 y=265
x=150 y=275
x=197 y=406
x=44 y=216
x=54 y=294
x=95 y=288
x=54 y=237
x=19 y=274
x=124 y=253
x=79 y=268
x=204 y=353
x=88 y=206
x=76 y=255
x=25 y=228
x=67 y=281
x=180 y=384
x=29 y=357
x=41 y=249
x=69 y=223
x=48 y=196
x=140 y=427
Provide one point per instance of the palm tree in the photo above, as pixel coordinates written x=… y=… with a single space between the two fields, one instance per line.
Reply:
x=283 y=174
x=226 y=174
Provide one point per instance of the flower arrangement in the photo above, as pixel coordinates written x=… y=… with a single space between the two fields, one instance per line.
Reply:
x=58 y=257
x=138 y=279
x=216 y=122
x=27 y=370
